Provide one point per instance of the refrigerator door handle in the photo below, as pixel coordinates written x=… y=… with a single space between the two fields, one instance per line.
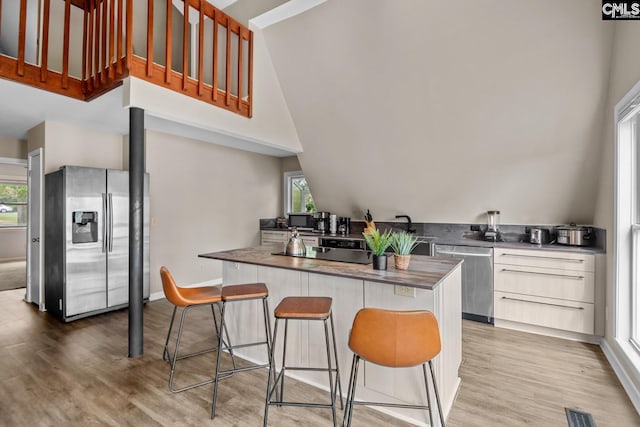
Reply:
x=110 y=222
x=104 y=222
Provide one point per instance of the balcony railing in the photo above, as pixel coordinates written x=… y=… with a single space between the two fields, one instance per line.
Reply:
x=83 y=48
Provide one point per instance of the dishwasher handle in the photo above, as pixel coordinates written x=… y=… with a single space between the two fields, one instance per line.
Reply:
x=438 y=252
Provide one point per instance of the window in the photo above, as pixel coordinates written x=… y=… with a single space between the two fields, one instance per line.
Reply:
x=627 y=223
x=13 y=204
x=297 y=195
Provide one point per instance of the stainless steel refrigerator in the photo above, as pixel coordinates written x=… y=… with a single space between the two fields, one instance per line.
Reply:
x=87 y=241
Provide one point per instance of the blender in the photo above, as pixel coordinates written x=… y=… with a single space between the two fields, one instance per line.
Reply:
x=493 y=233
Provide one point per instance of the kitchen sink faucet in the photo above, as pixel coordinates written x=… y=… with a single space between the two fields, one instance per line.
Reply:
x=410 y=229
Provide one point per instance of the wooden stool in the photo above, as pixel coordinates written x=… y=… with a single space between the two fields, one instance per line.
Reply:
x=236 y=293
x=397 y=339
x=303 y=308
x=188 y=298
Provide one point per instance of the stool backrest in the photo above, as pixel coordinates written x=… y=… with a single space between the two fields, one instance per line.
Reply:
x=171 y=290
x=395 y=338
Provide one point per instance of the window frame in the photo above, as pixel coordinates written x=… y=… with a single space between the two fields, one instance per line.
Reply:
x=15 y=205
x=288 y=191
x=626 y=326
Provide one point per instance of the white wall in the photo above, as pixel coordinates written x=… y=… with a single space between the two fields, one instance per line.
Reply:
x=625 y=73
x=443 y=111
x=71 y=145
x=13 y=148
x=205 y=198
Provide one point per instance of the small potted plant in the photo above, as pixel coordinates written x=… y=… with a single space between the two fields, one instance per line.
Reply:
x=403 y=244
x=378 y=243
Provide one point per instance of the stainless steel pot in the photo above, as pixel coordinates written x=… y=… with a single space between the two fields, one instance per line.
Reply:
x=574 y=235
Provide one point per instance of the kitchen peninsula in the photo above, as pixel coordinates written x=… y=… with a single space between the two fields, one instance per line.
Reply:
x=431 y=283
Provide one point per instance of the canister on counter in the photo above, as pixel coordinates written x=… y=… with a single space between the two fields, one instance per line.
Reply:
x=333 y=224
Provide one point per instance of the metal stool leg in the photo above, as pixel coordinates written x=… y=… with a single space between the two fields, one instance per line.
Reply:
x=165 y=354
x=335 y=353
x=435 y=388
x=426 y=385
x=271 y=387
x=330 y=372
x=216 y=379
x=227 y=343
x=352 y=391
x=284 y=357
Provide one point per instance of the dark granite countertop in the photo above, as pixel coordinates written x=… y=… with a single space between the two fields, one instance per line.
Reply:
x=457 y=240
x=424 y=272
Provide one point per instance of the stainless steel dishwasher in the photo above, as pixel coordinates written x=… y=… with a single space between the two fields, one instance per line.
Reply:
x=477 y=280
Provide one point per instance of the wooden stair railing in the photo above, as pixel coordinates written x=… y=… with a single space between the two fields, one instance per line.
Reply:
x=107 y=55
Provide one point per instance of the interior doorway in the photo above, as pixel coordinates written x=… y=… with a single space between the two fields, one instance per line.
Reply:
x=13 y=223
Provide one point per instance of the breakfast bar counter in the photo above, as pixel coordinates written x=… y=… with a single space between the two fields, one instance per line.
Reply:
x=431 y=283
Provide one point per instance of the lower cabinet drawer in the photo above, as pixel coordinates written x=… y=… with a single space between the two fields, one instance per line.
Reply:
x=548 y=312
x=545 y=282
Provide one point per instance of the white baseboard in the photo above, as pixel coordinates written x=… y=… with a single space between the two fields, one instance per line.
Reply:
x=622 y=373
x=160 y=295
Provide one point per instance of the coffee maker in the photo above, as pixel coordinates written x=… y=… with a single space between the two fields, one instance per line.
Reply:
x=321 y=220
x=344 y=225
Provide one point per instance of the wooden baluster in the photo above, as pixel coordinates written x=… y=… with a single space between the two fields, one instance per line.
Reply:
x=185 y=46
x=168 y=43
x=103 y=42
x=201 y=49
x=89 y=53
x=97 y=71
x=214 y=81
x=250 y=85
x=112 y=6
x=129 y=34
x=119 y=36
x=44 y=64
x=85 y=42
x=22 y=34
x=240 y=39
x=65 y=44
x=227 y=100
x=149 y=38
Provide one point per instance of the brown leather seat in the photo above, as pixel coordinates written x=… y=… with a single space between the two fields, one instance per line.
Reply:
x=184 y=297
x=396 y=339
x=241 y=292
x=303 y=308
x=187 y=298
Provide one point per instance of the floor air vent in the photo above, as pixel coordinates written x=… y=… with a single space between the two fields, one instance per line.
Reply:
x=579 y=419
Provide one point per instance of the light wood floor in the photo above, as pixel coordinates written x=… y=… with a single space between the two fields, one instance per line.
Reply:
x=78 y=374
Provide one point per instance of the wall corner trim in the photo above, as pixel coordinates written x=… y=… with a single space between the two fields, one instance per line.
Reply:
x=623 y=374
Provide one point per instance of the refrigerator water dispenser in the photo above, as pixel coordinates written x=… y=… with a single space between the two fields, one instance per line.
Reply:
x=84 y=227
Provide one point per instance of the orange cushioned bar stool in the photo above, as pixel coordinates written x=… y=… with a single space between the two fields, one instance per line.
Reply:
x=233 y=294
x=187 y=298
x=303 y=308
x=397 y=339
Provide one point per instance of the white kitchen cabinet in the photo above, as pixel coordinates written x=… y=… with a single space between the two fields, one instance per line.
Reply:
x=274 y=237
x=548 y=289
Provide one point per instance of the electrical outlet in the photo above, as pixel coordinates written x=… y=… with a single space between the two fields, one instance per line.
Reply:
x=405 y=291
